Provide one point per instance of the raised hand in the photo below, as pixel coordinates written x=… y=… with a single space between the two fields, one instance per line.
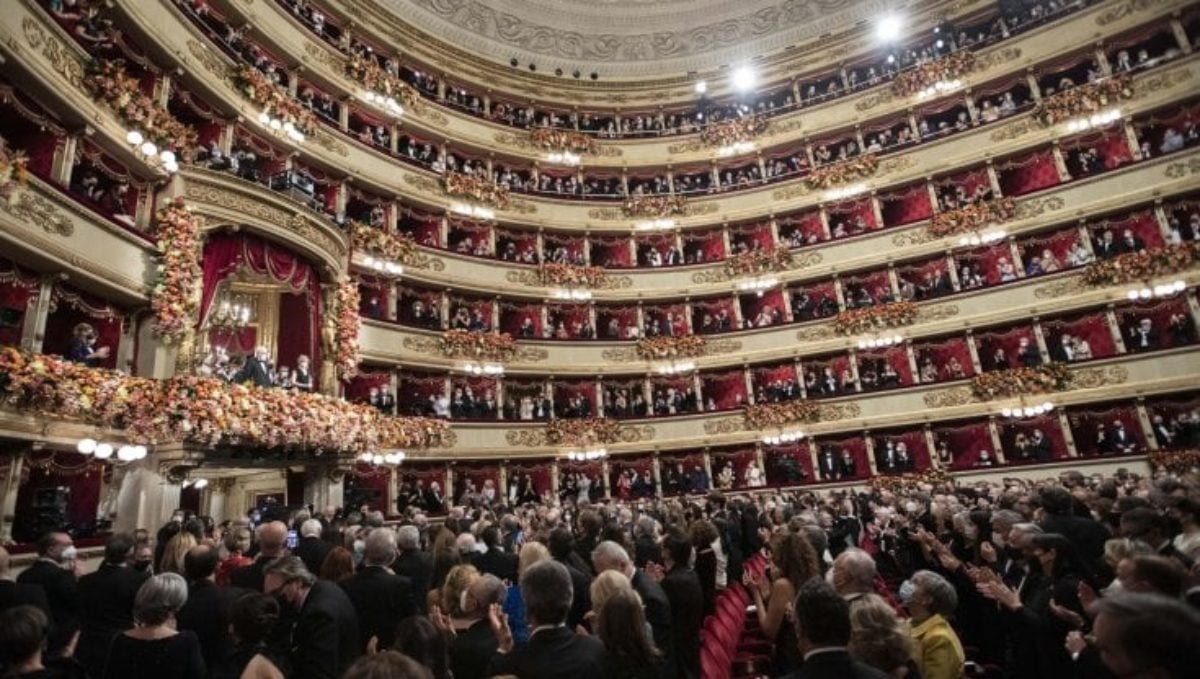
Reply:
x=498 y=619
x=987 y=551
x=1066 y=615
x=1087 y=595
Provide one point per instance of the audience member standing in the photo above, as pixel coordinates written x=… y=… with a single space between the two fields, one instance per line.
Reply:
x=938 y=652
x=324 y=639
x=272 y=541
x=682 y=587
x=414 y=564
x=54 y=572
x=13 y=594
x=311 y=549
x=609 y=555
x=380 y=597
x=822 y=634
x=154 y=648
x=106 y=599
x=208 y=606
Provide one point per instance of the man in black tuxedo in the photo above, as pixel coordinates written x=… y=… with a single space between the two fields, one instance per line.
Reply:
x=1086 y=534
x=311 y=549
x=885 y=461
x=413 y=564
x=553 y=650
x=609 y=555
x=1123 y=442
x=324 y=639
x=822 y=622
x=106 y=602
x=13 y=594
x=54 y=571
x=495 y=560
x=257 y=369
x=1064 y=351
x=472 y=649
x=682 y=587
x=207 y=609
x=828 y=463
x=1039 y=445
x=562 y=549
x=1106 y=246
x=1162 y=432
x=848 y=465
x=272 y=543
x=1028 y=354
x=380 y=597
x=1143 y=336
x=1131 y=243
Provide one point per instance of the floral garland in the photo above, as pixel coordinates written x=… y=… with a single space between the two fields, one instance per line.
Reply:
x=1082 y=100
x=869 y=319
x=762 y=260
x=582 y=432
x=274 y=100
x=480 y=345
x=652 y=207
x=972 y=217
x=1022 y=381
x=397 y=247
x=1142 y=266
x=733 y=131
x=109 y=84
x=554 y=139
x=767 y=415
x=205 y=411
x=912 y=481
x=1178 y=462
x=14 y=169
x=844 y=172
x=366 y=71
x=924 y=76
x=348 y=325
x=475 y=188
x=173 y=299
x=571 y=275
x=687 y=346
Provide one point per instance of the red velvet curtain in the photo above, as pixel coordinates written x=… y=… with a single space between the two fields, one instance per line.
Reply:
x=738 y=461
x=1011 y=433
x=1052 y=251
x=358 y=389
x=70 y=307
x=572 y=246
x=896 y=357
x=514 y=316
x=410 y=298
x=942 y=355
x=1029 y=173
x=18 y=289
x=539 y=474
x=372 y=299
x=425 y=229
x=966 y=443
x=990 y=262
x=469 y=237
x=1009 y=340
x=370 y=485
x=753 y=236
x=615 y=322
x=818 y=294
x=763 y=310
x=877 y=283
x=416 y=386
x=838 y=366
x=802 y=229
x=670 y=319
x=688 y=463
x=524 y=245
x=80 y=476
x=1091 y=328
x=1175 y=414
x=661 y=243
x=625 y=472
x=473 y=306
x=1086 y=423
x=764 y=376
x=856 y=446
x=906 y=205
x=1112 y=145
x=914 y=442
x=564 y=391
x=706 y=315
x=854 y=216
x=710 y=246
x=970 y=181
x=922 y=276
x=1142 y=225
x=1160 y=313
x=476 y=479
x=788 y=465
x=725 y=390
x=611 y=252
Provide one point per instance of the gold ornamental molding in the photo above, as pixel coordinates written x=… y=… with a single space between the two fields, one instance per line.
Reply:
x=434 y=346
x=1037 y=207
x=579 y=433
x=797 y=261
x=1123 y=10
x=1061 y=288
x=62 y=57
x=725 y=425
x=1014 y=130
x=209 y=59
x=607 y=214
x=325 y=57
x=832 y=412
x=1162 y=81
x=327 y=141
x=36 y=209
x=710 y=348
x=1183 y=169
x=1082 y=378
x=1094 y=378
x=524 y=142
x=816 y=332
x=569 y=276
x=949 y=397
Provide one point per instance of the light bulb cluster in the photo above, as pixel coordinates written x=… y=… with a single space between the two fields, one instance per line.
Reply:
x=783 y=437
x=736 y=149
x=1161 y=290
x=587 y=455
x=572 y=294
x=1028 y=411
x=1095 y=120
x=392 y=459
x=150 y=152
x=384 y=102
x=563 y=158
x=383 y=266
x=198 y=484
x=104 y=451
x=489 y=369
x=879 y=342
x=469 y=210
x=982 y=239
x=279 y=126
x=654 y=225
x=758 y=284
x=939 y=88
x=675 y=367
x=844 y=192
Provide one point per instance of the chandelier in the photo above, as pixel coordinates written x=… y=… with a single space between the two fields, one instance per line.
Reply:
x=103 y=450
x=391 y=459
x=281 y=127
x=149 y=152
x=230 y=317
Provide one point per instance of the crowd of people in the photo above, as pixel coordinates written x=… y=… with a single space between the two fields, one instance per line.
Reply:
x=1076 y=576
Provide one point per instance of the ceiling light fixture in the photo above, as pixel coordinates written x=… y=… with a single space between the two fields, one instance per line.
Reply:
x=889 y=27
x=744 y=79
x=701 y=87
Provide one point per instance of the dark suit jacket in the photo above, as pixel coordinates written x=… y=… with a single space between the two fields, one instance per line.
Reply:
x=658 y=614
x=1087 y=535
x=557 y=653
x=251 y=577
x=471 y=651
x=499 y=564
x=381 y=599
x=106 y=610
x=255 y=371
x=682 y=587
x=325 y=639
x=62 y=593
x=312 y=552
x=207 y=614
x=417 y=566
x=581 y=602
x=835 y=665
x=13 y=594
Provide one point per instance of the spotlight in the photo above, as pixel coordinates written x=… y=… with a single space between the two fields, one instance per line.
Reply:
x=889 y=28
x=940 y=44
x=576 y=73
x=200 y=484
x=744 y=79
x=533 y=67
x=558 y=71
x=701 y=87
x=513 y=62
x=86 y=446
x=104 y=451
x=594 y=75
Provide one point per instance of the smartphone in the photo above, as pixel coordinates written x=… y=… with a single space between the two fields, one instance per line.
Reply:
x=293 y=539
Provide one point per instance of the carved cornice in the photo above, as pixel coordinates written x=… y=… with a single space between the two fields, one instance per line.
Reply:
x=433 y=346
x=37 y=209
x=711 y=348
x=538 y=438
x=797 y=261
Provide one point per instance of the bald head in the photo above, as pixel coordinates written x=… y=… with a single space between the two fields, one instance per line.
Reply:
x=853 y=572
x=272 y=537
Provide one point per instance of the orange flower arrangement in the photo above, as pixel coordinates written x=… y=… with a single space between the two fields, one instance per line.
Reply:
x=652 y=207
x=110 y=85
x=274 y=100
x=844 y=172
x=1142 y=266
x=733 y=131
x=662 y=347
x=14 y=169
x=478 y=345
x=366 y=71
x=761 y=260
x=348 y=325
x=397 y=247
x=1021 y=381
x=1082 y=100
x=178 y=241
x=555 y=139
x=972 y=217
x=475 y=188
x=571 y=275
x=1178 y=462
x=204 y=410
x=582 y=432
x=767 y=415
x=879 y=317
x=926 y=75
x=913 y=481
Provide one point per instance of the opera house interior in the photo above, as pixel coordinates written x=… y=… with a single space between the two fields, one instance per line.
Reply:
x=496 y=268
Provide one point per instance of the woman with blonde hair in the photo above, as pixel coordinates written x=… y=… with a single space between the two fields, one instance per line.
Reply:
x=176 y=549
x=606 y=585
x=878 y=638
x=457 y=581
x=514 y=604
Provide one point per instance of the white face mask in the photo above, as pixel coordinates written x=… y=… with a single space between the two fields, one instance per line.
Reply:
x=68 y=554
x=906 y=592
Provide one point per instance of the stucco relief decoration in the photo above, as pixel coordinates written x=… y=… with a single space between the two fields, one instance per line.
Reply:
x=1094 y=378
x=875 y=318
x=928 y=74
x=652 y=207
x=476 y=189
x=1023 y=381
x=844 y=172
x=555 y=139
x=273 y=99
x=571 y=275
x=923 y=480
x=478 y=345
x=736 y=131
x=757 y=261
x=972 y=217
x=774 y=415
x=174 y=297
x=1083 y=100
x=593 y=431
x=1145 y=265
x=658 y=348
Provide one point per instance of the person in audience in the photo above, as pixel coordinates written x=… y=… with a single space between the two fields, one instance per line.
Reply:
x=272 y=541
x=106 y=598
x=609 y=555
x=83 y=347
x=153 y=647
x=380 y=597
x=793 y=562
x=938 y=653
x=24 y=630
x=879 y=639
x=420 y=639
x=325 y=638
x=55 y=571
x=822 y=634
x=208 y=606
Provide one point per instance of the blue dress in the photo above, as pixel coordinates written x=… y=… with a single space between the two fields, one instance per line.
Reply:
x=514 y=608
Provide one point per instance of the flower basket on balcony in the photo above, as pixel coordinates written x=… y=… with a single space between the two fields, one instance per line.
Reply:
x=571 y=275
x=174 y=298
x=348 y=325
x=475 y=189
x=1042 y=379
x=654 y=207
x=553 y=139
x=912 y=481
x=659 y=348
x=108 y=83
x=972 y=217
x=397 y=247
x=844 y=172
x=774 y=415
x=924 y=76
x=366 y=71
x=582 y=432
x=872 y=319
x=274 y=100
x=1142 y=266
x=1083 y=100
x=736 y=131
x=762 y=260
x=484 y=346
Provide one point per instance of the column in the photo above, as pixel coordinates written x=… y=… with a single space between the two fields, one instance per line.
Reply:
x=1135 y=147
x=1160 y=215
x=748 y=379
x=972 y=110
x=952 y=269
x=1040 y=337
x=147 y=497
x=974 y=349
x=1060 y=162
x=1035 y=90
x=997 y=447
x=931 y=446
x=854 y=369
x=444 y=308
x=8 y=502
x=605 y=480
x=324 y=487
x=839 y=293
x=737 y=312
x=877 y=210
x=870 y=441
x=1068 y=436
x=912 y=362
x=64 y=158
x=1185 y=45
x=600 y=396
x=1147 y=425
x=993 y=178
x=654 y=465
x=933 y=198
x=33 y=332
x=1110 y=315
